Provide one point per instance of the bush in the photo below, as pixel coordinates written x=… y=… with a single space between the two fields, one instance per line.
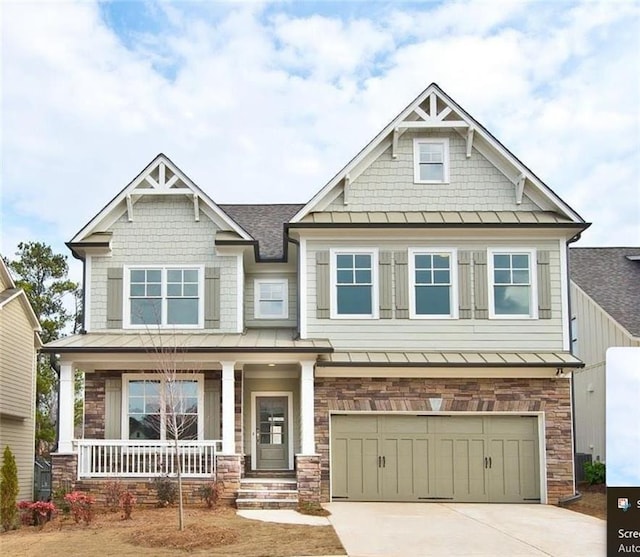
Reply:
x=81 y=506
x=595 y=472
x=59 y=497
x=36 y=513
x=8 y=490
x=113 y=492
x=210 y=494
x=127 y=502
x=166 y=490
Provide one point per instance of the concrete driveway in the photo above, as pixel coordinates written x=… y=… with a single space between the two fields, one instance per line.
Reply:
x=454 y=529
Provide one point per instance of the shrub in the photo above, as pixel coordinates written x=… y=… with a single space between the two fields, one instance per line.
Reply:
x=127 y=502
x=36 y=513
x=595 y=472
x=210 y=494
x=81 y=506
x=113 y=492
x=8 y=490
x=59 y=497
x=166 y=490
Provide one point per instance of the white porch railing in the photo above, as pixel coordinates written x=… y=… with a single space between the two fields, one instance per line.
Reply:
x=108 y=458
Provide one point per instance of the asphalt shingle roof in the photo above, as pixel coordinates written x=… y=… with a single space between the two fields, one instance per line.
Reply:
x=612 y=280
x=265 y=224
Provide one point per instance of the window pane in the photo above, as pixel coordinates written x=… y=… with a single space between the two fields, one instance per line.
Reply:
x=271 y=307
x=174 y=275
x=190 y=290
x=441 y=277
x=145 y=311
x=423 y=261
x=431 y=152
x=154 y=275
x=363 y=261
x=520 y=261
x=182 y=311
x=136 y=388
x=345 y=277
x=521 y=277
x=152 y=388
x=144 y=426
x=190 y=275
x=441 y=261
x=502 y=277
x=433 y=300
x=136 y=405
x=174 y=290
x=354 y=300
x=137 y=275
x=363 y=277
x=154 y=290
x=187 y=427
x=423 y=277
x=511 y=300
x=432 y=172
x=344 y=261
x=137 y=290
x=501 y=261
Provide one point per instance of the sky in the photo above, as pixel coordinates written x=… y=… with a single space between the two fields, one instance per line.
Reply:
x=623 y=417
x=263 y=102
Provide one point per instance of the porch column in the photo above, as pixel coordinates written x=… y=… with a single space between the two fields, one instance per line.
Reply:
x=228 y=409
x=308 y=445
x=65 y=409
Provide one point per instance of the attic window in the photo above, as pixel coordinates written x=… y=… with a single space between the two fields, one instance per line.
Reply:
x=431 y=160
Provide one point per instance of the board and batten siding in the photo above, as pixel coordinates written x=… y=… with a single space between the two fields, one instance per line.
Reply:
x=594 y=332
x=249 y=300
x=163 y=232
x=474 y=183
x=440 y=334
x=17 y=391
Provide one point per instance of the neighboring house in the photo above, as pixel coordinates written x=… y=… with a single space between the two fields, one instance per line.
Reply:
x=403 y=336
x=19 y=342
x=605 y=306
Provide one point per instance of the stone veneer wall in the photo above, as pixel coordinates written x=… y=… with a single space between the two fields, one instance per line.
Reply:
x=64 y=471
x=308 y=477
x=551 y=396
x=228 y=473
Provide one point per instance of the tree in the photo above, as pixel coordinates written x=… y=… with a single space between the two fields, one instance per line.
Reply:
x=42 y=274
x=8 y=490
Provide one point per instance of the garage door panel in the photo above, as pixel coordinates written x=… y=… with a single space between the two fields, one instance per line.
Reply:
x=531 y=470
x=457 y=424
x=353 y=424
x=413 y=425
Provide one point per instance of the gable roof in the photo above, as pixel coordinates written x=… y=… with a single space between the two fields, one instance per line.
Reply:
x=440 y=111
x=12 y=292
x=266 y=224
x=160 y=176
x=612 y=280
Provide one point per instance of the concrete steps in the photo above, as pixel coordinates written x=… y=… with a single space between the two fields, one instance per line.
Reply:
x=267 y=493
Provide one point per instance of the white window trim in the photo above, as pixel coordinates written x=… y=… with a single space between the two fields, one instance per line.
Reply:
x=453 y=298
x=375 y=309
x=126 y=299
x=444 y=141
x=533 y=273
x=256 y=298
x=126 y=377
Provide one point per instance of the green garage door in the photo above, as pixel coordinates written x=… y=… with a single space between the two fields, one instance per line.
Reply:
x=435 y=458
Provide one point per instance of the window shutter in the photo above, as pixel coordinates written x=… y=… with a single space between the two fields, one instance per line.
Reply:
x=211 y=409
x=480 y=285
x=386 y=310
x=402 y=284
x=114 y=298
x=464 y=285
x=544 y=286
x=322 y=285
x=212 y=298
x=112 y=408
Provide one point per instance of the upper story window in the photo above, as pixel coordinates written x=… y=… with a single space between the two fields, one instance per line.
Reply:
x=271 y=298
x=512 y=289
x=432 y=280
x=164 y=296
x=153 y=402
x=431 y=160
x=354 y=283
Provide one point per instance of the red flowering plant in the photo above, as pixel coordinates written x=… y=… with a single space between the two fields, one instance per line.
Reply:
x=37 y=513
x=81 y=506
x=127 y=502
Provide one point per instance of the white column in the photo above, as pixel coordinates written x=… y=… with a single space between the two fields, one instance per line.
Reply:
x=228 y=409
x=65 y=409
x=307 y=408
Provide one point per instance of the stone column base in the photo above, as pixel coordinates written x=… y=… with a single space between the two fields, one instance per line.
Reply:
x=308 y=476
x=228 y=473
x=64 y=472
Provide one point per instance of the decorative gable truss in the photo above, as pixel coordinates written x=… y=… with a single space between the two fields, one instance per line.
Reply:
x=434 y=110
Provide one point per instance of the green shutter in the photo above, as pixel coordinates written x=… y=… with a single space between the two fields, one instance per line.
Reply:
x=402 y=284
x=323 y=284
x=386 y=310
x=112 y=408
x=212 y=298
x=212 y=409
x=114 y=298
x=481 y=310
x=464 y=285
x=544 y=286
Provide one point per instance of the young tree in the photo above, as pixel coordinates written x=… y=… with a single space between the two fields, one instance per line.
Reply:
x=42 y=274
x=8 y=490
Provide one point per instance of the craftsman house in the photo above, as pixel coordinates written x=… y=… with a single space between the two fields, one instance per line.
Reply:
x=403 y=336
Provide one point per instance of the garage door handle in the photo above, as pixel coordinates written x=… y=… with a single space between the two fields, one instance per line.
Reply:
x=379 y=462
x=490 y=465
x=384 y=461
x=486 y=462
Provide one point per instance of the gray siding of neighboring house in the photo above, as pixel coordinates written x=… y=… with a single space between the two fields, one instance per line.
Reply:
x=17 y=391
x=164 y=231
x=594 y=332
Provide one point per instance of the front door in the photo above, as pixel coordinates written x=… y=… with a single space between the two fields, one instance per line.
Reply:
x=272 y=432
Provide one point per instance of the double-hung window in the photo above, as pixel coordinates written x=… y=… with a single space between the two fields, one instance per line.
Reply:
x=271 y=298
x=513 y=287
x=354 y=283
x=158 y=408
x=432 y=283
x=431 y=160
x=164 y=296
